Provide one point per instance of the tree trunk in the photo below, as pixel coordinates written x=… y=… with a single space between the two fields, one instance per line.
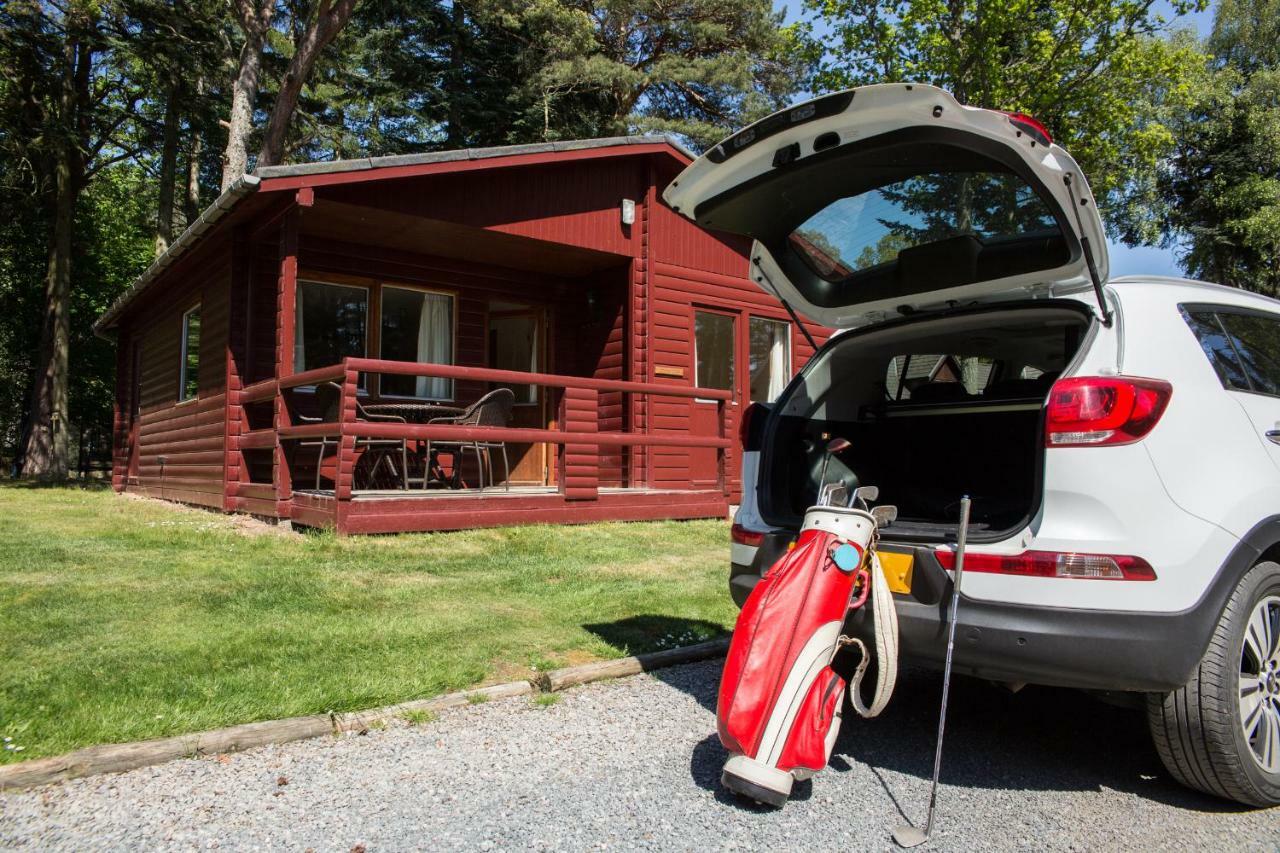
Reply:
x=168 y=172
x=47 y=450
x=329 y=21
x=254 y=22
x=191 y=204
x=455 y=134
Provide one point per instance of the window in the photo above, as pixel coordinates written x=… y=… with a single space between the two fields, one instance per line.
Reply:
x=417 y=325
x=330 y=324
x=1257 y=343
x=189 y=370
x=769 y=358
x=969 y=376
x=513 y=345
x=1216 y=346
x=1243 y=347
x=861 y=231
x=713 y=349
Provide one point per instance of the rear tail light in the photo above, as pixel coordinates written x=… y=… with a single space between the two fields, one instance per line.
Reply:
x=743 y=536
x=1053 y=564
x=1088 y=411
x=751 y=415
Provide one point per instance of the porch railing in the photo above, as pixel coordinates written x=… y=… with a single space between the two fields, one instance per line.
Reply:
x=578 y=434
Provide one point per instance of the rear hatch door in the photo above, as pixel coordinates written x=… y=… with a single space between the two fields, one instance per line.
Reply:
x=896 y=198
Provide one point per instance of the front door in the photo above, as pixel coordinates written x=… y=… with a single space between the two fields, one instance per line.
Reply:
x=715 y=366
x=518 y=341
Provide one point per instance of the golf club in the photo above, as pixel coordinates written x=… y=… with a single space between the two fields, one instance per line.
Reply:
x=908 y=835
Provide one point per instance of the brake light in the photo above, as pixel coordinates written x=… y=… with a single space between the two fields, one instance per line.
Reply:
x=1031 y=127
x=1053 y=564
x=743 y=536
x=749 y=415
x=1103 y=410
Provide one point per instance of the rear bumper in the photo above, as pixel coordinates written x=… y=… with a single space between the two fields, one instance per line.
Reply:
x=1089 y=649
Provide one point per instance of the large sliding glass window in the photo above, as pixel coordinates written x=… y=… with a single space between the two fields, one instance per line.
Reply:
x=417 y=326
x=331 y=324
x=770 y=358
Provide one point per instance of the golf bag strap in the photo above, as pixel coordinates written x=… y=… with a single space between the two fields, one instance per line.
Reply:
x=885 y=617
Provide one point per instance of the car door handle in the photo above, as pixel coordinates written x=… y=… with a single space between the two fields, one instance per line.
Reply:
x=1273 y=435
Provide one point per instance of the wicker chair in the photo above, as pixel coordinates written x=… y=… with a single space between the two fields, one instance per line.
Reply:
x=491 y=410
x=329 y=399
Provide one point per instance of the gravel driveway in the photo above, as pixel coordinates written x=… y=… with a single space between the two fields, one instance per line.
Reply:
x=635 y=764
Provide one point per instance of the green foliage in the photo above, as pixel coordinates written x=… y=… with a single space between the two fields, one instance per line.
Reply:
x=1084 y=68
x=1220 y=192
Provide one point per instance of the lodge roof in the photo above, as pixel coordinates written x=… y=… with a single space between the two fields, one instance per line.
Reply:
x=250 y=184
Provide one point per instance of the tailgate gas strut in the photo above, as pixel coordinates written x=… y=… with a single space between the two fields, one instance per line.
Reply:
x=1088 y=258
x=764 y=278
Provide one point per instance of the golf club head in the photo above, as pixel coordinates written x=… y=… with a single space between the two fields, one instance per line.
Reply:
x=885 y=515
x=907 y=836
x=868 y=494
x=838 y=445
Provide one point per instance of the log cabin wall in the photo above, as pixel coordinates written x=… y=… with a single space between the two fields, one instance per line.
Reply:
x=180 y=443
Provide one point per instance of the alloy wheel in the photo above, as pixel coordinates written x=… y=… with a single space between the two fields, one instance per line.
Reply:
x=1259 y=704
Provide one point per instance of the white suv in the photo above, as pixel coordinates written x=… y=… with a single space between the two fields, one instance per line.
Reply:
x=1120 y=439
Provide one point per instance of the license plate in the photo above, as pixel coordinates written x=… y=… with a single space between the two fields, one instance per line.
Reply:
x=897 y=570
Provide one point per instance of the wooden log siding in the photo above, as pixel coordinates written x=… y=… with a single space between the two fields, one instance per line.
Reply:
x=580 y=463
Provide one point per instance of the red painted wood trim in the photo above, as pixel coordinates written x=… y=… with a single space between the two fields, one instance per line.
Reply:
x=286 y=295
x=445 y=432
x=579 y=415
x=259 y=392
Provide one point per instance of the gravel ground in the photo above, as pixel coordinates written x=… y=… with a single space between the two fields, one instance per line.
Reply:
x=635 y=764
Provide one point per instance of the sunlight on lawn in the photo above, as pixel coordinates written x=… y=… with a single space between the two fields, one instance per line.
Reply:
x=123 y=619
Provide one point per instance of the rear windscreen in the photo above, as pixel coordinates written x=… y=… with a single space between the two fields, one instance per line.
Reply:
x=858 y=232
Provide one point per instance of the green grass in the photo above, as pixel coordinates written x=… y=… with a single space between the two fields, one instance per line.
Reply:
x=122 y=620
x=544 y=700
x=419 y=718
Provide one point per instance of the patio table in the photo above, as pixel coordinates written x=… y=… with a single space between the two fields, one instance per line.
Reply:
x=421 y=413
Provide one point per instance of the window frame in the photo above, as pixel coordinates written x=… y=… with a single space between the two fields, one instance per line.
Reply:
x=183 y=354
x=789 y=326
x=382 y=287
x=1188 y=308
x=368 y=314
x=734 y=318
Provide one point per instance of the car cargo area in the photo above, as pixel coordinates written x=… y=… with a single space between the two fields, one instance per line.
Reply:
x=934 y=408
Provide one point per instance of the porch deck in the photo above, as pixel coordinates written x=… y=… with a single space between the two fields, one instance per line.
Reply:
x=577 y=494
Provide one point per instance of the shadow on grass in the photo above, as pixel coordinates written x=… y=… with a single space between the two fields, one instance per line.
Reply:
x=651 y=632
x=90 y=485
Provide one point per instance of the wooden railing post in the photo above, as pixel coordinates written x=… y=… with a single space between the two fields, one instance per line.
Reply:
x=722 y=475
x=580 y=463
x=344 y=477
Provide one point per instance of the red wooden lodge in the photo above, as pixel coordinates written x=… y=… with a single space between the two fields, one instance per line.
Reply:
x=284 y=356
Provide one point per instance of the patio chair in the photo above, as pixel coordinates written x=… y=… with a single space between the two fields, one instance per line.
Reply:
x=491 y=410
x=329 y=399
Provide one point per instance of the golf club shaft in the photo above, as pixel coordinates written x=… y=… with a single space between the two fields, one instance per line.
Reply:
x=961 y=538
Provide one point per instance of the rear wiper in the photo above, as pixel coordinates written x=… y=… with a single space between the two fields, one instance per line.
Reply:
x=1088 y=258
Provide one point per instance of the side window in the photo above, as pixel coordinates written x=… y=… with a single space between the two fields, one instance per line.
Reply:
x=1257 y=342
x=189 y=369
x=1217 y=347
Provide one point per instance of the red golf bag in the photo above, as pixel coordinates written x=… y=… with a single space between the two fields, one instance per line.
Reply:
x=780 y=702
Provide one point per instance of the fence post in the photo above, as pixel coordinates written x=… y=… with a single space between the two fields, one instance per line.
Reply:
x=344 y=476
x=580 y=463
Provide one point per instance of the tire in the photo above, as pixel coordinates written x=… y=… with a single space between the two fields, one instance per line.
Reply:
x=1199 y=730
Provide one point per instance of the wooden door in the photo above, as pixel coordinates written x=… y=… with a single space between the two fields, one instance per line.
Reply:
x=716 y=364
x=518 y=341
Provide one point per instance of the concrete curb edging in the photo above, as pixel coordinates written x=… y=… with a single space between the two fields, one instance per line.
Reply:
x=118 y=757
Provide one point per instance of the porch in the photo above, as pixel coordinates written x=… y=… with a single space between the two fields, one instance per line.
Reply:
x=595 y=474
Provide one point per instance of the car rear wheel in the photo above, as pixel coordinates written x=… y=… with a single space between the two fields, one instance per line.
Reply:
x=1220 y=733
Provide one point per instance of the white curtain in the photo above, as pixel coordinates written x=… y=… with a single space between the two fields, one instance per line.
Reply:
x=435 y=344
x=779 y=360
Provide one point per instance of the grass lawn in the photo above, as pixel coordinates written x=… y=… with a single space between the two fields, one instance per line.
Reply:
x=123 y=619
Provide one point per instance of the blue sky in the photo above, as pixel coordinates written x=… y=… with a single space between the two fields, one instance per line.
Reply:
x=1124 y=260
